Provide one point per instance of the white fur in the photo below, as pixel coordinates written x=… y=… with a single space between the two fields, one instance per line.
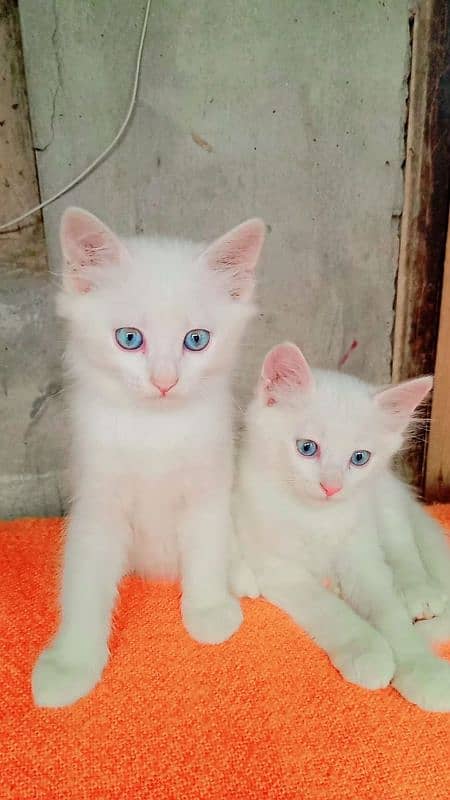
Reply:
x=152 y=473
x=355 y=568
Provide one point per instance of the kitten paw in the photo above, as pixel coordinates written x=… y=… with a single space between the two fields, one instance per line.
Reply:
x=435 y=630
x=59 y=680
x=425 y=681
x=423 y=600
x=213 y=624
x=366 y=661
x=242 y=581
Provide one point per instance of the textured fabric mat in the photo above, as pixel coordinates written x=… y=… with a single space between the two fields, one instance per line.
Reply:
x=264 y=715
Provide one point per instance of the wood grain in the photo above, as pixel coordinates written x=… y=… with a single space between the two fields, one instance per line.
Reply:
x=425 y=207
x=438 y=461
x=24 y=244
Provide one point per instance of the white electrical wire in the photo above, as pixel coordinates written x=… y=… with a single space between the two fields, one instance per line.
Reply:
x=110 y=147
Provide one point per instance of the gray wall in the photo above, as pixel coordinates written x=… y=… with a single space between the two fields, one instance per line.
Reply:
x=302 y=105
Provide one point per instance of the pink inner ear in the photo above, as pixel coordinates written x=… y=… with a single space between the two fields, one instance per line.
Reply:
x=236 y=254
x=285 y=368
x=87 y=242
x=402 y=400
x=93 y=249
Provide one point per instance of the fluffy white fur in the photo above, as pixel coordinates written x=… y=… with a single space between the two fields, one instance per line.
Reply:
x=353 y=567
x=152 y=433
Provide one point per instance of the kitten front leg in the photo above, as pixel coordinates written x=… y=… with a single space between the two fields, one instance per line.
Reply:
x=210 y=614
x=355 y=648
x=367 y=583
x=433 y=546
x=434 y=549
x=94 y=562
x=243 y=581
x=423 y=597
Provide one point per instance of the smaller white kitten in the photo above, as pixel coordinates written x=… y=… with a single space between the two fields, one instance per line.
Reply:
x=333 y=537
x=154 y=329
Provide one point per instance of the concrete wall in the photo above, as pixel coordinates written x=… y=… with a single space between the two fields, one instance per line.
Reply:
x=30 y=439
x=302 y=107
x=23 y=243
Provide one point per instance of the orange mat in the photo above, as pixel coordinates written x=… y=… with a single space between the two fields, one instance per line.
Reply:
x=262 y=716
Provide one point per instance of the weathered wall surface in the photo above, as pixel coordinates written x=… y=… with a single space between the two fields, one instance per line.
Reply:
x=33 y=429
x=293 y=111
x=27 y=456
x=22 y=244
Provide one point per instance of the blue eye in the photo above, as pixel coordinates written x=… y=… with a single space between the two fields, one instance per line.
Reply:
x=360 y=457
x=197 y=339
x=129 y=338
x=306 y=447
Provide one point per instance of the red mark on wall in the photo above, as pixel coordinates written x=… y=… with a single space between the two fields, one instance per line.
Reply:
x=344 y=358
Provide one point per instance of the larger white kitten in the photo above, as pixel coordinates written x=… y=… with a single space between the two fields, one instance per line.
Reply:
x=154 y=330
x=334 y=538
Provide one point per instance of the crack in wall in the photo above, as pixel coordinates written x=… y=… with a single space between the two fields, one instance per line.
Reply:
x=59 y=80
x=396 y=217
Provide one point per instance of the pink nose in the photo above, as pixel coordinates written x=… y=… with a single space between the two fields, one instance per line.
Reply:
x=330 y=490
x=164 y=388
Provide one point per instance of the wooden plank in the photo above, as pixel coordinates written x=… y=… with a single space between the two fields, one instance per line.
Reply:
x=22 y=245
x=438 y=460
x=425 y=210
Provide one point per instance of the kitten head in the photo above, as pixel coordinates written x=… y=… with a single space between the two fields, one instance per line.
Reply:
x=155 y=318
x=326 y=433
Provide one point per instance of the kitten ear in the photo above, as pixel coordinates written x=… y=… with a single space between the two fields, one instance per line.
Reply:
x=401 y=401
x=236 y=254
x=87 y=244
x=285 y=368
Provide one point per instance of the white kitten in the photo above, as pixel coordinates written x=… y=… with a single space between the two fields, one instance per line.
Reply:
x=154 y=329
x=332 y=535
